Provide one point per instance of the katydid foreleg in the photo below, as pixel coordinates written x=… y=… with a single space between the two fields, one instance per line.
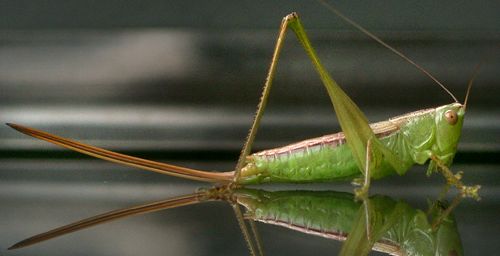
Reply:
x=455 y=179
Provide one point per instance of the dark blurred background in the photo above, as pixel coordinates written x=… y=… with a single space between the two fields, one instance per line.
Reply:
x=178 y=81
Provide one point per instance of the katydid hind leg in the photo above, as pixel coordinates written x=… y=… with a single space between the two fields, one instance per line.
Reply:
x=256 y=236
x=252 y=241
x=247 y=147
x=352 y=120
x=360 y=238
x=357 y=122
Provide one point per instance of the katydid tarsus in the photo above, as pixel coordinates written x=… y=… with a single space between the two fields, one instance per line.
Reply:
x=360 y=150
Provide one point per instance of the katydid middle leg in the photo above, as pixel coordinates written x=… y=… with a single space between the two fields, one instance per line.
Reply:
x=363 y=191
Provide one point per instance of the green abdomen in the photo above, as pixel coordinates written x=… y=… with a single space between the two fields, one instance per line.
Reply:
x=303 y=164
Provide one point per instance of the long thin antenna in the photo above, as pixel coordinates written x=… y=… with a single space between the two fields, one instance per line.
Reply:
x=471 y=81
x=374 y=37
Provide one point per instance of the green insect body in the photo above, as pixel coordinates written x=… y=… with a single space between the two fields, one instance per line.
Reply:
x=404 y=230
x=373 y=151
x=413 y=138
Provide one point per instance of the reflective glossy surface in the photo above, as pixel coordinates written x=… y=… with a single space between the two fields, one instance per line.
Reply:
x=33 y=202
x=178 y=82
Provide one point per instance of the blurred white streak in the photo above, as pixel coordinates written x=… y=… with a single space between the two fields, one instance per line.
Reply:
x=126 y=116
x=92 y=58
x=180 y=127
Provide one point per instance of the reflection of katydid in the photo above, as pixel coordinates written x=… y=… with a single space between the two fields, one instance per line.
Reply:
x=372 y=151
x=394 y=228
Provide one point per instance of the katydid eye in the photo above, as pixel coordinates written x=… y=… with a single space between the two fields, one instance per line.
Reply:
x=451 y=117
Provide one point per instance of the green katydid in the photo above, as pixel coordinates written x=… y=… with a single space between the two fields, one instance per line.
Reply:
x=395 y=228
x=360 y=150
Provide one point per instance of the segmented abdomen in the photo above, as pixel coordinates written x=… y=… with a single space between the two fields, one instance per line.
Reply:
x=322 y=159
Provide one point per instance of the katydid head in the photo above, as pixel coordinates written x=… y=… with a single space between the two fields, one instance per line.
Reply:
x=449 y=120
